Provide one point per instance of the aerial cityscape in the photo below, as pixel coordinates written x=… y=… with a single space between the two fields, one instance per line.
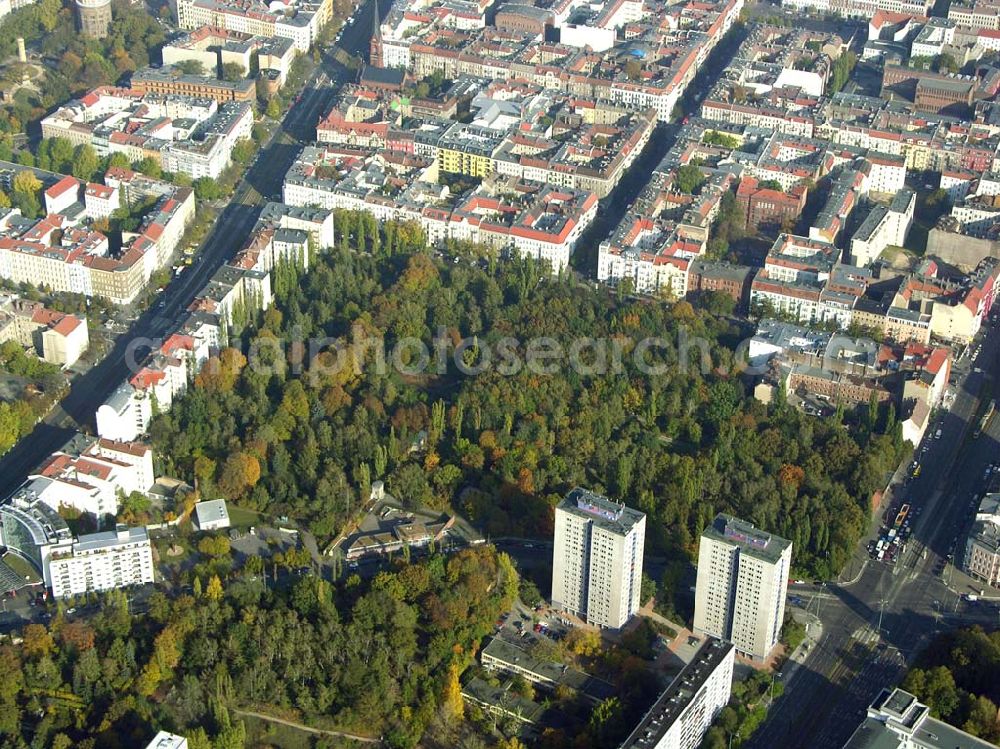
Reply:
x=500 y=374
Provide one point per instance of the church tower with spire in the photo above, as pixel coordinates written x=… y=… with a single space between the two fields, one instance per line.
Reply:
x=375 y=43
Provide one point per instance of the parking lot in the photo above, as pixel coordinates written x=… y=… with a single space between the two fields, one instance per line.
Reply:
x=526 y=626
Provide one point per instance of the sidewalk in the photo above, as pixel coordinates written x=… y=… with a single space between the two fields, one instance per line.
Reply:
x=959 y=583
x=814 y=633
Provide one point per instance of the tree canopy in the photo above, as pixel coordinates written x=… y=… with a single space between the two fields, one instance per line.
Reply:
x=502 y=446
x=377 y=657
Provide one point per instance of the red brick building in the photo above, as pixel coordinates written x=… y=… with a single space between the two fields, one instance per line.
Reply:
x=726 y=278
x=524 y=18
x=764 y=208
x=929 y=91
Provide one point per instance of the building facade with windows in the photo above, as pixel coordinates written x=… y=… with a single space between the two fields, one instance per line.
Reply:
x=742 y=579
x=597 y=558
x=982 y=548
x=102 y=561
x=682 y=714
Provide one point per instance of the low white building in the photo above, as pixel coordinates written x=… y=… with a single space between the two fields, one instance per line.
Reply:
x=102 y=561
x=164 y=740
x=212 y=515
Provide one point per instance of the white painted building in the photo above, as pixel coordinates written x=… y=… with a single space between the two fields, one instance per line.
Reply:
x=125 y=414
x=684 y=711
x=597 y=558
x=164 y=740
x=741 y=586
x=884 y=226
x=212 y=515
x=102 y=561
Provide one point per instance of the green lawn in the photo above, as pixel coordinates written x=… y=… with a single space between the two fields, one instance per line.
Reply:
x=241 y=517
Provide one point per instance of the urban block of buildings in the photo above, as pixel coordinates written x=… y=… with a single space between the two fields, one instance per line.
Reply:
x=192 y=135
x=300 y=22
x=527 y=217
x=741 y=586
x=214 y=47
x=597 y=558
x=819 y=369
x=60 y=251
x=86 y=476
x=72 y=566
x=670 y=42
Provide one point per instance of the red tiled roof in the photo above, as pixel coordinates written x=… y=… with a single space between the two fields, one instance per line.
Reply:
x=63 y=186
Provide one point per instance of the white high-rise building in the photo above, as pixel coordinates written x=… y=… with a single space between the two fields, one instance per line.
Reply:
x=597 y=558
x=742 y=582
x=102 y=561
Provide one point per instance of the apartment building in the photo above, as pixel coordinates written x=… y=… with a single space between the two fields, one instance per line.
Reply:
x=742 y=579
x=982 y=548
x=863 y=9
x=209 y=156
x=597 y=558
x=975 y=14
x=301 y=22
x=884 y=226
x=102 y=561
x=88 y=475
x=684 y=711
x=802 y=278
x=125 y=414
x=55 y=337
